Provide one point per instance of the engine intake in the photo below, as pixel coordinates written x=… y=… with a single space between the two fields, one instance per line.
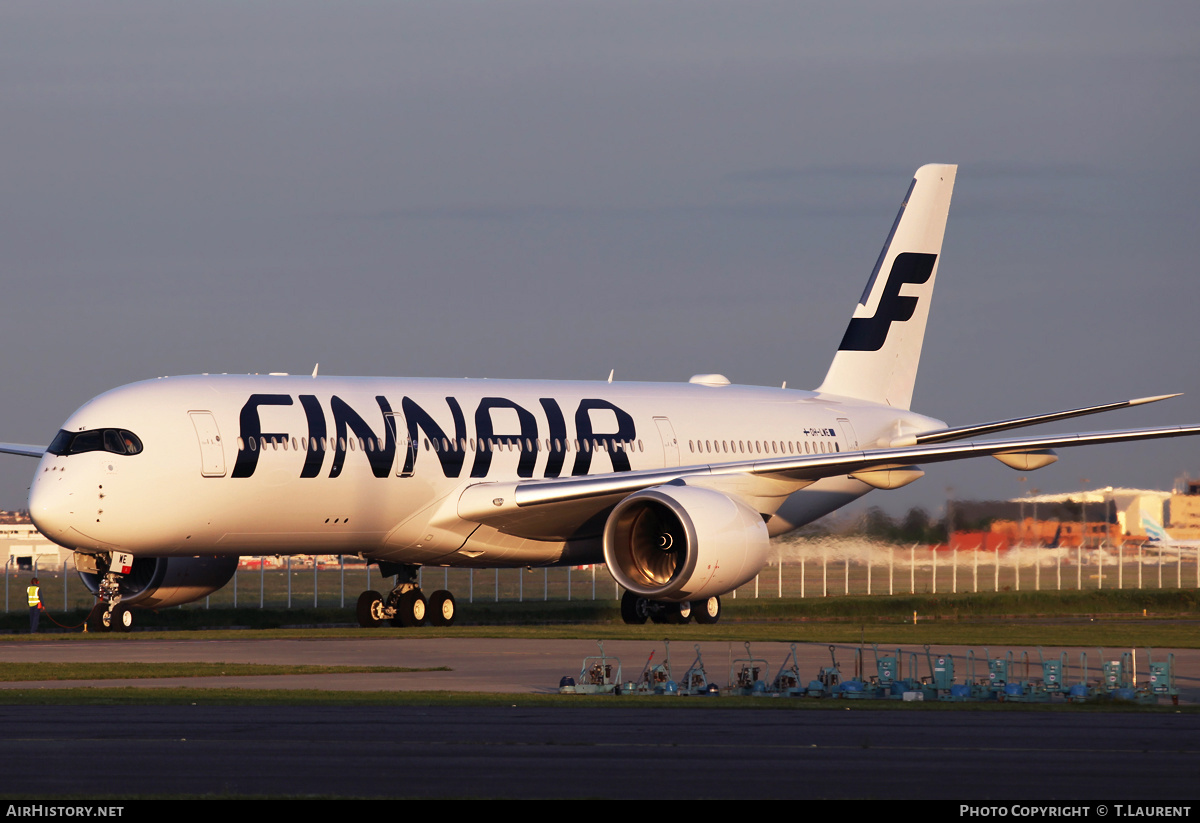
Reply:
x=678 y=543
x=156 y=582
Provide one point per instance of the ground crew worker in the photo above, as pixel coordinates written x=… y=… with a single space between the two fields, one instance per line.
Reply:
x=35 y=604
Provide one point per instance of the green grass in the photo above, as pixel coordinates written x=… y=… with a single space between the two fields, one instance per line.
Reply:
x=18 y=672
x=1161 y=618
x=999 y=632
x=963 y=607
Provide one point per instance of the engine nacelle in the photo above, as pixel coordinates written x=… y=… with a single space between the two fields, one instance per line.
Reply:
x=157 y=582
x=677 y=543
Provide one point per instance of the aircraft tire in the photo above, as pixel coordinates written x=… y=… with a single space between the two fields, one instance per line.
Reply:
x=122 y=619
x=443 y=609
x=411 y=609
x=681 y=613
x=370 y=610
x=96 y=621
x=709 y=611
x=630 y=611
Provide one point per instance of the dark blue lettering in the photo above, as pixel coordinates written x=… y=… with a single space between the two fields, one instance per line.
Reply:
x=590 y=440
x=251 y=431
x=415 y=417
x=316 y=433
x=558 y=437
x=486 y=434
x=344 y=418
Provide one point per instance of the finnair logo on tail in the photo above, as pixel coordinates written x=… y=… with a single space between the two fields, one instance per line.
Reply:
x=870 y=333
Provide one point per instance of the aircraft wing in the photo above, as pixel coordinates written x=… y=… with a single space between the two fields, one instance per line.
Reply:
x=827 y=465
x=959 y=432
x=26 y=451
x=535 y=507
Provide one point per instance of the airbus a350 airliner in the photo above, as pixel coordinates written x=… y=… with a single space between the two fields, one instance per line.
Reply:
x=160 y=486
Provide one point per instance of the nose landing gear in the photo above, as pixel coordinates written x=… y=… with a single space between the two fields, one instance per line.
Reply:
x=109 y=614
x=105 y=618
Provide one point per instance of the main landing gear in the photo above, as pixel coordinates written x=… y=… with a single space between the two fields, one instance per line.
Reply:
x=636 y=610
x=405 y=605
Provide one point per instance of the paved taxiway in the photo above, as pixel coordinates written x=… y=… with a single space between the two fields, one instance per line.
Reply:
x=636 y=753
x=691 y=747
x=497 y=665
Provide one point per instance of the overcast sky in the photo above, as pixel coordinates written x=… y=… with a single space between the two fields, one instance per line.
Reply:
x=553 y=190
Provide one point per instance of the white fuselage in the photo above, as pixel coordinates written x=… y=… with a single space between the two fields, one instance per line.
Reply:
x=252 y=464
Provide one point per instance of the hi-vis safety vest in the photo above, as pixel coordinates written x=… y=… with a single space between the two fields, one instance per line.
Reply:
x=34 y=598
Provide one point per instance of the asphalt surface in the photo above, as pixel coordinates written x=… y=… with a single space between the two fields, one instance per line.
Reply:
x=522 y=666
x=689 y=748
x=641 y=753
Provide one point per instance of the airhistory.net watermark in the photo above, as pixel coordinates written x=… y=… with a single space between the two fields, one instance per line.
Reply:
x=42 y=810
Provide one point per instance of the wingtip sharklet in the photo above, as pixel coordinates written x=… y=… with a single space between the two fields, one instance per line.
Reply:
x=1139 y=401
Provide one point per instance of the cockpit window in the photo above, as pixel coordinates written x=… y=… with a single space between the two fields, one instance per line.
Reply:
x=89 y=441
x=112 y=442
x=60 y=442
x=115 y=441
x=132 y=444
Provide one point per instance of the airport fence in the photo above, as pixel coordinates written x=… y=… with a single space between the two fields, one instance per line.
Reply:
x=799 y=570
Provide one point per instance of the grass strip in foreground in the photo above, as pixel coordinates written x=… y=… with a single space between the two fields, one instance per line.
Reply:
x=18 y=672
x=1124 y=633
x=961 y=607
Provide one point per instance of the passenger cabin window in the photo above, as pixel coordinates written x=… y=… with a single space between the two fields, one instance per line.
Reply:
x=114 y=441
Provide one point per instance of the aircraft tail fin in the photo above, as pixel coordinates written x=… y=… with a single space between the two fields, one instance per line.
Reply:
x=878 y=356
x=1154 y=529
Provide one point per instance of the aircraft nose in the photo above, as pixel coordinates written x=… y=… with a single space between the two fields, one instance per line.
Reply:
x=53 y=501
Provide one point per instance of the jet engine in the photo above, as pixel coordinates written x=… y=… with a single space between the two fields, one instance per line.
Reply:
x=156 y=582
x=675 y=543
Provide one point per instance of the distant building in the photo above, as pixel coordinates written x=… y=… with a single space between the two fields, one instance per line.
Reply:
x=24 y=549
x=1086 y=517
x=1122 y=507
x=1182 y=515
